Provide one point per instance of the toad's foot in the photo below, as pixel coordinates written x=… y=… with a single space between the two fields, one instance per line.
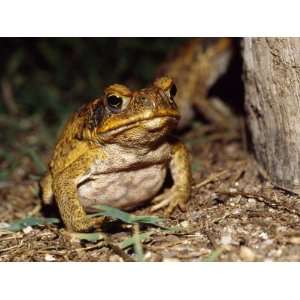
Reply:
x=170 y=198
x=86 y=224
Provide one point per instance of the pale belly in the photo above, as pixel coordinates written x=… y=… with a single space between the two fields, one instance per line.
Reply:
x=124 y=189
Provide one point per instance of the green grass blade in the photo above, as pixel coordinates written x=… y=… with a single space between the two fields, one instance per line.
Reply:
x=214 y=255
x=129 y=242
x=114 y=213
x=138 y=248
x=31 y=221
x=117 y=214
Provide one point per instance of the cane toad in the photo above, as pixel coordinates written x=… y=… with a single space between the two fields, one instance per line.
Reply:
x=116 y=150
x=195 y=67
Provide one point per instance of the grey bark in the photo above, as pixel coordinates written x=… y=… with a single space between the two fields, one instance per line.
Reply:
x=272 y=101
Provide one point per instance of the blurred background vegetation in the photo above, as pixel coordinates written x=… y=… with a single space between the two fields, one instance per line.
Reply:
x=52 y=75
x=43 y=79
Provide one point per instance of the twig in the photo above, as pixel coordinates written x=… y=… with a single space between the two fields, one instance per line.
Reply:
x=98 y=245
x=6 y=184
x=8 y=238
x=261 y=198
x=9 y=248
x=211 y=239
x=210 y=178
x=117 y=250
x=8 y=98
x=12 y=247
x=35 y=210
x=212 y=114
x=240 y=171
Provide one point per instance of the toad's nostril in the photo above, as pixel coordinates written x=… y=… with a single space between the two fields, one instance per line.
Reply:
x=146 y=102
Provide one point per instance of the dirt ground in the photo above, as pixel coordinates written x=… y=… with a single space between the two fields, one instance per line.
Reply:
x=234 y=214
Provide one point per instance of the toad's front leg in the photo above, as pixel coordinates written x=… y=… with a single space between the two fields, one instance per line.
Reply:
x=65 y=192
x=180 y=192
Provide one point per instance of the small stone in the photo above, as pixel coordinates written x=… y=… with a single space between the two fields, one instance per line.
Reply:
x=232 y=190
x=49 y=257
x=214 y=196
x=152 y=257
x=226 y=239
x=295 y=240
x=115 y=258
x=268 y=242
x=27 y=229
x=170 y=259
x=263 y=235
x=247 y=254
x=228 y=248
x=236 y=211
x=4 y=225
x=251 y=201
x=275 y=253
x=186 y=242
x=185 y=224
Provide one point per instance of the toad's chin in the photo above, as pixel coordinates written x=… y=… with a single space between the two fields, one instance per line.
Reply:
x=158 y=123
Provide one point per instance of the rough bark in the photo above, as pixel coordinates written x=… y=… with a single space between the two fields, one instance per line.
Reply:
x=272 y=100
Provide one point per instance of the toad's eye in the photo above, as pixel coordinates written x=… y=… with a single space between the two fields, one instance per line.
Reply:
x=114 y=103
x=173 y=91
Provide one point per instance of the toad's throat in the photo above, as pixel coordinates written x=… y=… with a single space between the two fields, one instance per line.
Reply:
x=119 y=189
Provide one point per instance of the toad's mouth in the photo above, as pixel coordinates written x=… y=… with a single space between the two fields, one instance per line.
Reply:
x=149 y=124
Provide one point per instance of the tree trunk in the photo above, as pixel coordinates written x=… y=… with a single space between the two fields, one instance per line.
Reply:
x=272 y=100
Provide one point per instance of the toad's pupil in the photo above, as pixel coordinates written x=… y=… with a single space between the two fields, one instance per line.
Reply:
x=114 y=102
x=173 y=91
